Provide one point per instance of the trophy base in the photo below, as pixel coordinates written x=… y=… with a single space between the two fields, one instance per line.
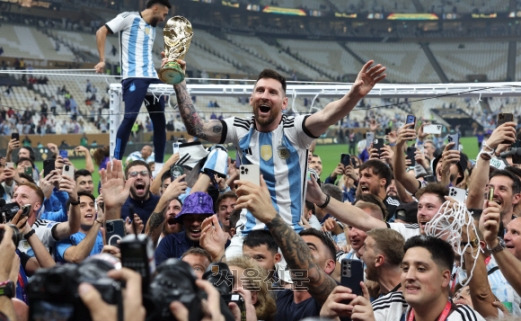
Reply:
x=171 y=73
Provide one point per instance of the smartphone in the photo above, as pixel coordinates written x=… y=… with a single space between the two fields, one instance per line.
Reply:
x=28 y=171
x=176 y=171
x=345 y=159
x=15 y=136
x=175 y=148
x=68 y=170
x=48 y=166
x=351 y=274
x=137 y=253
x=504 y=117
x=454 y=138
x=64 y=154
x=250 y=173
x=237 y=161
x=312 y=173
x=458 y=194
x=369 y=137
x=114 y=231
x=378 y=143
x=411 y=150
x=432 y=129
x=411 y=119
x=490 y=196
x=9 y=164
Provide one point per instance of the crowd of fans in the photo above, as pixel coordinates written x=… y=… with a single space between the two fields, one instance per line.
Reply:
x=267 y=235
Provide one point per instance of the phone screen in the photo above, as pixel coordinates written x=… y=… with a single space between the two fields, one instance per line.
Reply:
x=411 y=119
x=504 y=117
x=345 y=159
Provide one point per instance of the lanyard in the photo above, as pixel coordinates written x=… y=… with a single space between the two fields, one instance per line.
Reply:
x=443 y=316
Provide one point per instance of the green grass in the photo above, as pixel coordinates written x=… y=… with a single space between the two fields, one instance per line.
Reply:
x=330 y=155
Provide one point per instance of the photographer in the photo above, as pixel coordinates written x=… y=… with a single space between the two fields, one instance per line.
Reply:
x=133 y=309
x=42 y=257
x=49 y=232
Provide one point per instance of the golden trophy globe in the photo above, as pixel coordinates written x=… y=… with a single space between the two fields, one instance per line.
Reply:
x=177 y=35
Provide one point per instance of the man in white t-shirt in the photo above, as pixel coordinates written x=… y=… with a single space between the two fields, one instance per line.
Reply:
x=137 y=33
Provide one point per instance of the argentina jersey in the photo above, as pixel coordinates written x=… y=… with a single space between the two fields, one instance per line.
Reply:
x=282 y=159
x=136 y=43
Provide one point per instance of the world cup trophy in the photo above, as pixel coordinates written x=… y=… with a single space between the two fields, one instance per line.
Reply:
x=177 y=37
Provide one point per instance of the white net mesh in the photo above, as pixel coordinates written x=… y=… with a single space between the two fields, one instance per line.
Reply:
x=450 y=222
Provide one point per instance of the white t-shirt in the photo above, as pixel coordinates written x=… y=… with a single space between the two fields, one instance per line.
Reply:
x=137 y=41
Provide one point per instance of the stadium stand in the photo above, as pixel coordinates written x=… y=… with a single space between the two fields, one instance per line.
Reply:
x=303 y=50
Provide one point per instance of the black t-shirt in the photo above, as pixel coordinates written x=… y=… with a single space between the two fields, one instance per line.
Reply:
x=288 y=310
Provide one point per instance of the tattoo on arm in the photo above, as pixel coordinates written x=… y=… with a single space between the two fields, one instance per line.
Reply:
x=298 y=257
x=155 y=220
x=154 y=226
x=195 y=126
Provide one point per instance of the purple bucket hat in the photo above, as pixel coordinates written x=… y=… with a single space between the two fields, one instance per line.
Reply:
x=197 y=203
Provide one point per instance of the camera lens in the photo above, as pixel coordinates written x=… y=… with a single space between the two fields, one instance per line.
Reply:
x=55 y=283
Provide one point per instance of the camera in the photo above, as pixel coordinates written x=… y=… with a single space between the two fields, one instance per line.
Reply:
x=53 y=293
x=137 y=253
x=222 y=278
x=8 y=211
x=17 y=236
x=174 y=281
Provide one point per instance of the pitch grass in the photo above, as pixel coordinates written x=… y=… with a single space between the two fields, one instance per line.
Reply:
x=330 y=155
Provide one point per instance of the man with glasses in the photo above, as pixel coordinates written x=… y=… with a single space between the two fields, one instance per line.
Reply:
x=140 y=201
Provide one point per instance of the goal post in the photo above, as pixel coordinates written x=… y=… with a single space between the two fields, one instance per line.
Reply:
x=243 y=88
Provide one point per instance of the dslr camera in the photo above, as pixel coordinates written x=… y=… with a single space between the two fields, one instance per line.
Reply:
x=53 y=293
x=222 y=278
x=174 y=281
x=17 y=236
x=8 y=211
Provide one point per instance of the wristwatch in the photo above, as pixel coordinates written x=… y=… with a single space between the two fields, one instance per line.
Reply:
x=7 y=288
x=499 y=247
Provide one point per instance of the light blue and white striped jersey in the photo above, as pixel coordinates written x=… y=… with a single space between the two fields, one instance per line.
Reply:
x=136 y=42
x=282 y=158
x=502 y=289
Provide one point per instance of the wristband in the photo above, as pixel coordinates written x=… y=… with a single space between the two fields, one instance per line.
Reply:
x=29 y=234
x=484 y=144
x=326 y=202
x=96 y=220
x=488 y=156
x=74 y=203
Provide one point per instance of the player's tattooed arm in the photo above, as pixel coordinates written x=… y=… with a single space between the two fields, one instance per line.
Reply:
x=195 y=126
